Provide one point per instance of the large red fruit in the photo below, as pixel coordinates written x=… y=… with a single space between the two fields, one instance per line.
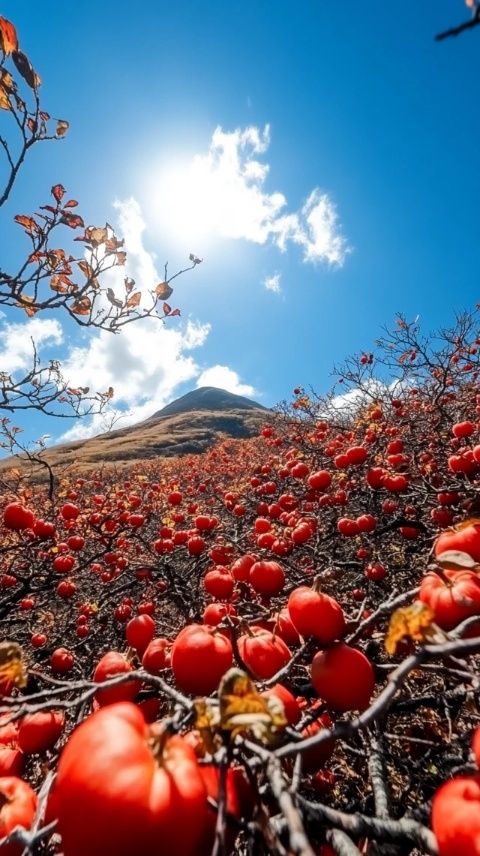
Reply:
x=316 y=614
x=453 y=596
x=200 y=658
x=111 y=795
x=267 y=578
x=316 y=756
x=11 y=761
x=241 y=567
x=139 y=632
x=155 y=658
x=113 y=663
x=320 y=480
x=40 y=731
x=263 y=653
x=464 y=538
x=239 y=803
x=17 y=517
x=291 y=706
x=18 y=804
x=343 y=677
x=219 y=583
x=456 y=817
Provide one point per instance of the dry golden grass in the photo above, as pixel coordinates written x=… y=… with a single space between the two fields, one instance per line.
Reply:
x=167 y=436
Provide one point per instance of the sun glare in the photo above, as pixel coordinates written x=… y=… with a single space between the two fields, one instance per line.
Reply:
x=188 y=204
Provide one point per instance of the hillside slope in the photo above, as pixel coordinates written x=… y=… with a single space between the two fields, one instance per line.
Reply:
x=188 y=425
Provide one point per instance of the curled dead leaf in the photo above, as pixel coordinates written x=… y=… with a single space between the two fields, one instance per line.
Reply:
x=25 y=68
x=410 y=622
x=62 y=128
x=163 y=290
x=12 y=665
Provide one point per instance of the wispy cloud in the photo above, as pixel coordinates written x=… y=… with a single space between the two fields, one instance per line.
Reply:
x=223 y=194
x=16 y=349
x=272 y=283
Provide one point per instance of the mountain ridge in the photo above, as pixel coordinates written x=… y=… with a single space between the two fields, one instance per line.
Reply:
x=188 y=425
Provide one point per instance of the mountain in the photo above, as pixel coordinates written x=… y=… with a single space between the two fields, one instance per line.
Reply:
x=208 y=398
x=188 y=425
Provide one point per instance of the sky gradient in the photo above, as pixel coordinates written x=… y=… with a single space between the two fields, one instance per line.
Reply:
x=320 y=156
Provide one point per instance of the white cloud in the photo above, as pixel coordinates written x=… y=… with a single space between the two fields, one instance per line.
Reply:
x=221 y=194
x=16 y=352
x=225 y=378
x=272 y=283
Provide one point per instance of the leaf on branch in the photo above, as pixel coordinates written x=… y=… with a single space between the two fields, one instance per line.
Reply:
x=62 y=127
x=71 y=220
x=175 y=312
x=410 y=622
x=163 y=290
x=8 y=37
x=25 y=68
x=112 y=299
x=121 y=258
x=7 y=81
x=82 y=306
x=134 y=300
x=24 y=304
x=456 y=560
x=58 y=192
x=72 y=203
x=56 y=258
x=194 y=259
x=112 y=244
x=30 y=225
x=86 y=269
x=129 y=284
x=44 y=116
x=12 y=665
x=57 y=285
x=107 y=394
x=242 y=708
x=4 y=99
x=166 y=309
x=95 y=235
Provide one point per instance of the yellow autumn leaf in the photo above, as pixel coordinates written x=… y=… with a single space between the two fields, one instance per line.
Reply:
x=12 y=666
x=410 y=622
x=242 y=708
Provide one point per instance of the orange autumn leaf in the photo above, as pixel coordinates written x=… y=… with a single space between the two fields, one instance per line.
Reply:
x=30 y=225
x=8 y=37
x=58 y=192
x=4 y=100
x=82 y=307
x=163 y=291
x=134 y=300
x=410 y=622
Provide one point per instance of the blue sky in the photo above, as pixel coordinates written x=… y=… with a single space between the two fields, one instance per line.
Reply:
x=193 y=118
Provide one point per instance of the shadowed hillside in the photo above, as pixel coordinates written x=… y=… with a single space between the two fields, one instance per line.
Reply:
x=188 y=425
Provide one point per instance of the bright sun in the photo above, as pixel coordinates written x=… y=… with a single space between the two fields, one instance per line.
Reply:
x=189 y=201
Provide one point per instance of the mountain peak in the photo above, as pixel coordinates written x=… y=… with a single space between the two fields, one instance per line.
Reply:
x=208 y=398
